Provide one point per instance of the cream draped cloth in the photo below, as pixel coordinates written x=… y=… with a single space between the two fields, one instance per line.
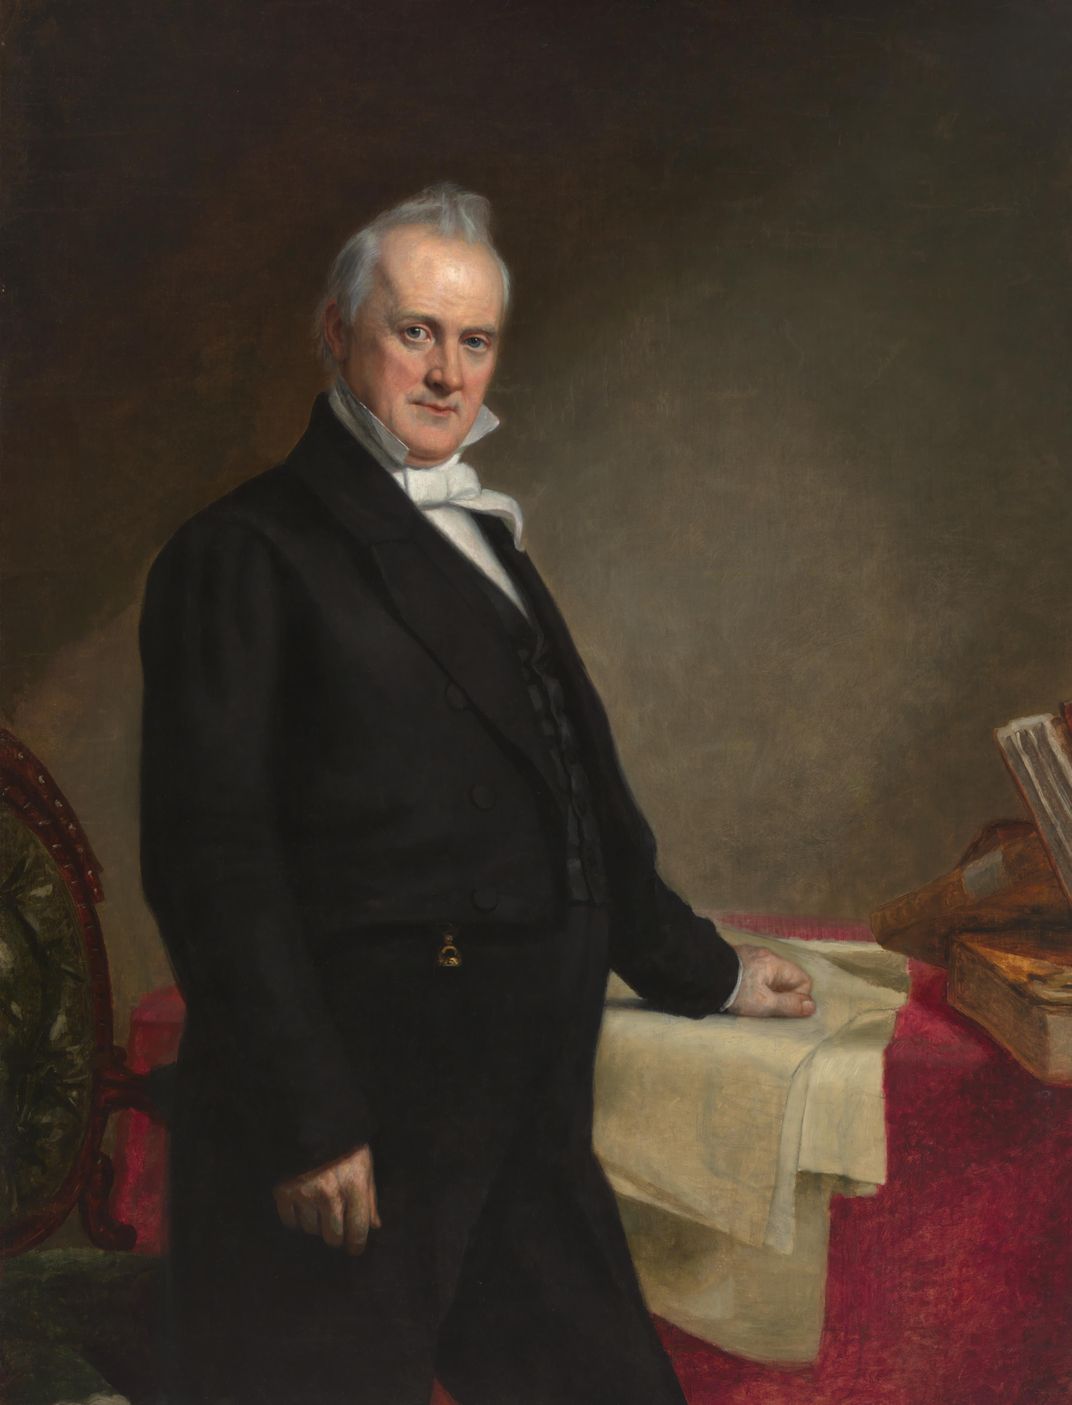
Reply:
x=725 y=1138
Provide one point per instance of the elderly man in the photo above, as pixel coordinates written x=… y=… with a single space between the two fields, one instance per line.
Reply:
x=393 y=857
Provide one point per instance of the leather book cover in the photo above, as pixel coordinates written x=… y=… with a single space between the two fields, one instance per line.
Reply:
x=1004 y=880
x=1018 y=987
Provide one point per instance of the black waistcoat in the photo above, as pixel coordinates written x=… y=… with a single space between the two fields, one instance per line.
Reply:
x=585 y=873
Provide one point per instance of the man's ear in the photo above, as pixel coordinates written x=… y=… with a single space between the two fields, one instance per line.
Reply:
x=336 y=333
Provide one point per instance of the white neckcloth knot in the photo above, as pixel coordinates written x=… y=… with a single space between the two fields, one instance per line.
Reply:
x=457 y=484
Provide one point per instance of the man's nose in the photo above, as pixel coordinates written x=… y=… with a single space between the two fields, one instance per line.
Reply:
x=445 y=367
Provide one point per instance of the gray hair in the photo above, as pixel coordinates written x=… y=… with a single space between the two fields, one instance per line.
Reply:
x=452 y=212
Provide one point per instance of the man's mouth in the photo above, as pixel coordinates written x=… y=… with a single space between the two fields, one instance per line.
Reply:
x=435 y=409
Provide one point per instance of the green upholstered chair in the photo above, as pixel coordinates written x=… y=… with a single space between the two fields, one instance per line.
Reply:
x=78 y=1324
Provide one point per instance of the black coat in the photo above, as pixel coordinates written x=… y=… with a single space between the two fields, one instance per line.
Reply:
x=337 y=737
x=340 y=759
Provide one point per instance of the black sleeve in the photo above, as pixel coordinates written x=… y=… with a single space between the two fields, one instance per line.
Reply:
x=659 y=946
x=213 y=641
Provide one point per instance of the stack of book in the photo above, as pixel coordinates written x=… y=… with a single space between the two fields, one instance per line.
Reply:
x=1002 y=919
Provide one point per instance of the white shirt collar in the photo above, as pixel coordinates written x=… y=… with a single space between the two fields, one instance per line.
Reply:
x=385 y=447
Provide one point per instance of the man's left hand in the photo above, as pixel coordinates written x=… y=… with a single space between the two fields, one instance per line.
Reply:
x=771 y=986
x=336 y=1202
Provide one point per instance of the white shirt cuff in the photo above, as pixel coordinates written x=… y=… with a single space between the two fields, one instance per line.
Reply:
x=736 y=987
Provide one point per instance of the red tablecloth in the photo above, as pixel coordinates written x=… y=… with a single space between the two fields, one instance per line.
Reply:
x=952 y=1286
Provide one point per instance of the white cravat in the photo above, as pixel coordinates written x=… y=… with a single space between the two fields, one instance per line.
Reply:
x=446 y=493
x=456 y=483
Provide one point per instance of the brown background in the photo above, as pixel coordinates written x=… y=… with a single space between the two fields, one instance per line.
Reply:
x=785 y=395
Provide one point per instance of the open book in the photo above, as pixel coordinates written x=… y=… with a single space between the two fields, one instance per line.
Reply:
x=1038 y=753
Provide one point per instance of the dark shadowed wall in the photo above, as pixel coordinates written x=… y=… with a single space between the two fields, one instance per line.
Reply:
x=784 y=396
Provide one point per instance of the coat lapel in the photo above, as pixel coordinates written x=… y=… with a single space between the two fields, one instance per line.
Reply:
x=459 y=627
x=428 y=581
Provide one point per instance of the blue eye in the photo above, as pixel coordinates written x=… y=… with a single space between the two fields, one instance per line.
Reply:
x=415 y=333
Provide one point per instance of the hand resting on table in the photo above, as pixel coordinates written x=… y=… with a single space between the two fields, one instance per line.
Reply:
x=771 y=985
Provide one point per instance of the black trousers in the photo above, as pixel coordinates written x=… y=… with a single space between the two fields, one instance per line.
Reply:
x=501 y=1266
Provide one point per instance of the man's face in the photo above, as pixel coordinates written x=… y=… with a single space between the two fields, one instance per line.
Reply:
x=423 y=345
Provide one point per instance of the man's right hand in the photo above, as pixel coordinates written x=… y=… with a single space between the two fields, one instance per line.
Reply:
x=771 y=985
x=336 y=1202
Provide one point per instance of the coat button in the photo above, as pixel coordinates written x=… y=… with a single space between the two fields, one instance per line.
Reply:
x=482 y=796
x=486 y=899
x=455 y=697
